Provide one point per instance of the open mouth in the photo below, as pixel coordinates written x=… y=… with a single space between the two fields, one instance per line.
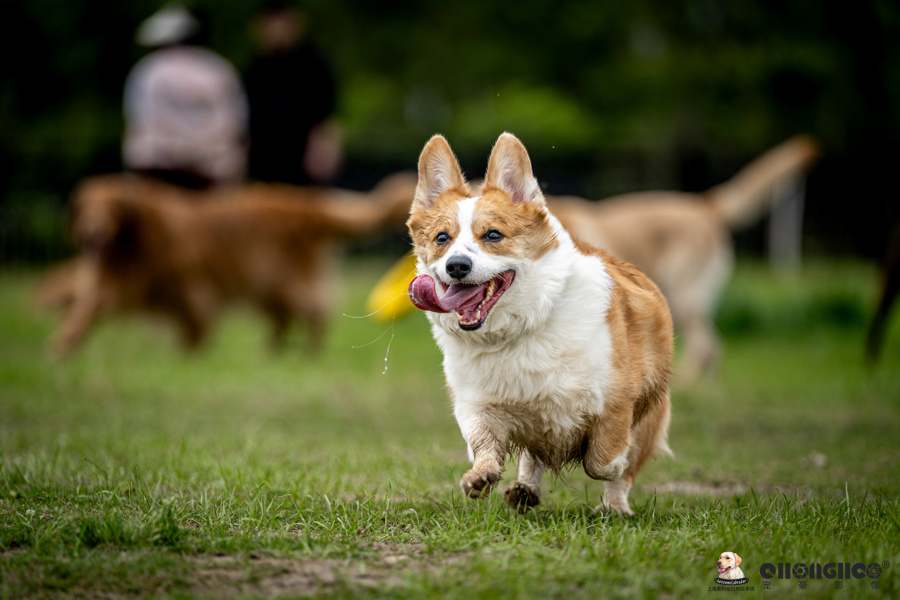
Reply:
x=472 y=303
x=723 y=569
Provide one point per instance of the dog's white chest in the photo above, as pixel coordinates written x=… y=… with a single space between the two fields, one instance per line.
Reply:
x=547 y=385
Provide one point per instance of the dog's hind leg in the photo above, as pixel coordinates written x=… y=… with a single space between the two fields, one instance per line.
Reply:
x=526 y=490
x=194 y=315
x=648 y=438
x=606 y=451
x=615 y=496
x=280 y=318
x=317 y=320
x=308 y=303
x=701 y=348
x=193 y=328
x=693 y=305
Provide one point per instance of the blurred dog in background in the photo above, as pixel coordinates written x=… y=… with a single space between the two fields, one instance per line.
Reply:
x=150 y=247
x=683 y=241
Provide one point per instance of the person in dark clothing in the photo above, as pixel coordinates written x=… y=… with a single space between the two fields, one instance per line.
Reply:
x=890 y=291
x=294 y=137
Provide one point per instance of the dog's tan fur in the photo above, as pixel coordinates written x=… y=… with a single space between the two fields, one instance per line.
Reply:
x=151 y=247
x=683 y=241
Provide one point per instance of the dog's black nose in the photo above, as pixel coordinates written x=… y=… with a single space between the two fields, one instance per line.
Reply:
x=458 y=266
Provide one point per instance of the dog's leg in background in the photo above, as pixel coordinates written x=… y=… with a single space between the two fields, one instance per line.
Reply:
x=693 y=306
x=317 y=325
x=487 y=448
x=700 y=355
x=310 y=304
x=526 y=490
x=306 y=294
x=83 y=310
x=56 y=289
x=280 y=318
x=195 y=314
x=193 y=329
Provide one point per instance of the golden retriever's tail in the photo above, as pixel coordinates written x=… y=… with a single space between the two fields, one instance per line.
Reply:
x=355 y=214
x=743 y=199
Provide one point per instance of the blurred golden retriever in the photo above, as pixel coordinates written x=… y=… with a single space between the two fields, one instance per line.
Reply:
x=149 y=247
x=683 y=241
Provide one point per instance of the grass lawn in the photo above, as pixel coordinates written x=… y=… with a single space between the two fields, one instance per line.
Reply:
x=132 y=469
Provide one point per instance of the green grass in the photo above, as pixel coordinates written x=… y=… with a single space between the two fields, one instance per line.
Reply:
x=133 y=470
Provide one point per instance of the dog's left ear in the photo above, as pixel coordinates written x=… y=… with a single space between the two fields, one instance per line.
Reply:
x=737 y=559
x=439 y=172
x=509 y=170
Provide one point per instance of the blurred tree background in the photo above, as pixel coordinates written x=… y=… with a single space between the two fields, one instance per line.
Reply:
x=608 y=96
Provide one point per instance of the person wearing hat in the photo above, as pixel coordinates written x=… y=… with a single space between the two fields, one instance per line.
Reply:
x=185 y=108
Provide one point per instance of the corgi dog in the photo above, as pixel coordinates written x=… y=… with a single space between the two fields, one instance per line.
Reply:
x=552 y=349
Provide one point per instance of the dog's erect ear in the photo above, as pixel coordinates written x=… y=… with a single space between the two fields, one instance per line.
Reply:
x=737 y=559
x=509 y=170
x=439 y=172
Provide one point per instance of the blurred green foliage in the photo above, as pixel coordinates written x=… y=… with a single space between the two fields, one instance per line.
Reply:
x=608 y=96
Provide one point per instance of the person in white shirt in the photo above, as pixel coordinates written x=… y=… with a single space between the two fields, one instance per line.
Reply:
x=185 y=108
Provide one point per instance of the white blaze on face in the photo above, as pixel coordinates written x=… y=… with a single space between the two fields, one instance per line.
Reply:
x=466 y=216
x=484 y=266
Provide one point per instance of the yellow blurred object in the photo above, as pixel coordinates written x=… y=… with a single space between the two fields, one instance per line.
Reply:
x=389 y=298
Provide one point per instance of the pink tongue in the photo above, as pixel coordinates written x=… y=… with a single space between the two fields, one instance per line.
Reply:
x=424 y=296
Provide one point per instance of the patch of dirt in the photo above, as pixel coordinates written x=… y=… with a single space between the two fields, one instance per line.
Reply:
x=719 y=490
x=229 y=576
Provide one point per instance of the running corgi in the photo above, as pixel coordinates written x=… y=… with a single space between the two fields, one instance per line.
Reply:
x=552 y=349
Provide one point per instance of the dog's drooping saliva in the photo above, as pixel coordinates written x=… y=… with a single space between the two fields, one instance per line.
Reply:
x=552 y=349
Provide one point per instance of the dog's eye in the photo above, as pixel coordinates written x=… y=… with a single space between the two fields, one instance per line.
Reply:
x=441 y=238
x=492 y=236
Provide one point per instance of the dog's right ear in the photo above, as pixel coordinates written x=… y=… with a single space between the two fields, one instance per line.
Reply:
x=439 y=172
x=737 y=559
x=509 y=170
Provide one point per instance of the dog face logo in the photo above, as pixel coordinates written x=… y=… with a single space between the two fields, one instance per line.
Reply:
x=728 y=566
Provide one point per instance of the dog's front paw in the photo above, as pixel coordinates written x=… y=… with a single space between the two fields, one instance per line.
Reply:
x=478 y=485
x=521 y=496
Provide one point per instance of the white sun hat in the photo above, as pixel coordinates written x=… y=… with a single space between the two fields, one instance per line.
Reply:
x=169 y=25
